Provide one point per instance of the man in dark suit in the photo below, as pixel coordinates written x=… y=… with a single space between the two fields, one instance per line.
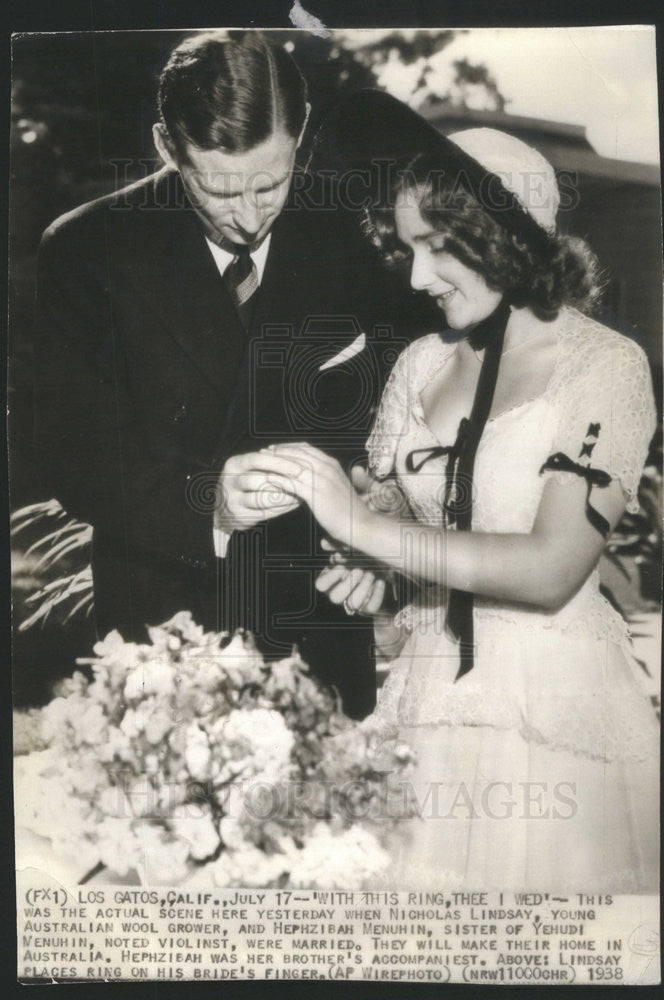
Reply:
x=224 y=304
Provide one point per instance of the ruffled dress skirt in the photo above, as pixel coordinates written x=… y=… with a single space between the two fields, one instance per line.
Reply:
x=538 y=770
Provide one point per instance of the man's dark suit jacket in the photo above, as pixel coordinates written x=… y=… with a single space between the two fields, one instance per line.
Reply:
x=146 y=383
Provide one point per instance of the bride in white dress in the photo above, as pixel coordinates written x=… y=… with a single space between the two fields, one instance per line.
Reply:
x=511 y=675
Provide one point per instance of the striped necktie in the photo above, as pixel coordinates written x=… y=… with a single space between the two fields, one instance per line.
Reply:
x=241 y=277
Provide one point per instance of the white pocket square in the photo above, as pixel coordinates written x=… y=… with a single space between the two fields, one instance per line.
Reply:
x=348 y=352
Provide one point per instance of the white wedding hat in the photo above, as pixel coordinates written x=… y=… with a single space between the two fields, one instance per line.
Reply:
x=512 y=182
x=522 y=170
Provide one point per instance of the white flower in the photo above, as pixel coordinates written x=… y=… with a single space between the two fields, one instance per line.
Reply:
x=197 y=754
x=90 y=725
x=117 y=744
x=99 y=690
x=87 y=778
x=205 y=670
x=115 y=782
x=133 y=722
x=113 y=647
x=154 y=676
x=74 y=718
x=164 y=859
x=157 y=724
x=115 y=658
x=248 y=867
x=347 y=860
x=259 y=735
x=118 y=847
x=55 y=719
x=241 y=661
x=230 y=799
x=284 y=676
x=181 y=622
x=231 y=833
x=39 y=784
x=141 y=795
x=112 y=801
x=170 y=796
x=198 y=830
x=77 y=683
x=44 y=804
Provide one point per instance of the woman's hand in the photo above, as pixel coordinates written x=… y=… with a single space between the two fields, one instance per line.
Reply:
x=323 y=485
x=366 y=592
x=249 y=494
x=360 y=590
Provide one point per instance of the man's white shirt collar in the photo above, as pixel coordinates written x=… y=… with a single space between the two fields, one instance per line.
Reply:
x=223 y=258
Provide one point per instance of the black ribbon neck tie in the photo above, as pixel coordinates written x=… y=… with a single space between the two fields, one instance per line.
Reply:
x=488 y=335
x=593 y=477
x=480 y=335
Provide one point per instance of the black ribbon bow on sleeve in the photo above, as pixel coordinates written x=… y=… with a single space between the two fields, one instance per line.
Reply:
x=457 y=503
x=593 y=477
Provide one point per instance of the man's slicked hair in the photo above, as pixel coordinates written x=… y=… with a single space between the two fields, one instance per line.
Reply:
x=230 y=92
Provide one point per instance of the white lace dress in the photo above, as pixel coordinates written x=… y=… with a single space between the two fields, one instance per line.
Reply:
x=538 y=768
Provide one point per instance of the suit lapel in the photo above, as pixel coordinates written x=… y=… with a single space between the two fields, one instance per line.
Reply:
x=301 y=309
x=271 y=299
x=277 y=309
x=174 y=270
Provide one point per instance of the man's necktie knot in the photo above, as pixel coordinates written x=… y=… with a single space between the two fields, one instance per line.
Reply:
x=241 y=277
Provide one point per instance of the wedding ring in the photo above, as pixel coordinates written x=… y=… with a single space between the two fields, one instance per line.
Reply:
x=348 y=609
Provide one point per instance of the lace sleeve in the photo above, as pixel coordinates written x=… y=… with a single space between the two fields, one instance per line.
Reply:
x=391 y=419
x=607 y=417
x=413 y=366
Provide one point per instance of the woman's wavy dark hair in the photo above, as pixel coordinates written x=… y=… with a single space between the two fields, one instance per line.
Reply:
x=565 y=273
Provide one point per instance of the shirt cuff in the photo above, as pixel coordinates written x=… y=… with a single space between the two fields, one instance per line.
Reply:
x=221 y=540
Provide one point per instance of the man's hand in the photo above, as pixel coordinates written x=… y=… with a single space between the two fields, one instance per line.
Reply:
x=248 y=495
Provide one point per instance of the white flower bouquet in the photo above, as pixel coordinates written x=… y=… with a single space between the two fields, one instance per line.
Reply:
x=191 y=760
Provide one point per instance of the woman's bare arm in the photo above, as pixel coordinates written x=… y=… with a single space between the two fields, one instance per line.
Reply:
x=543 y=567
